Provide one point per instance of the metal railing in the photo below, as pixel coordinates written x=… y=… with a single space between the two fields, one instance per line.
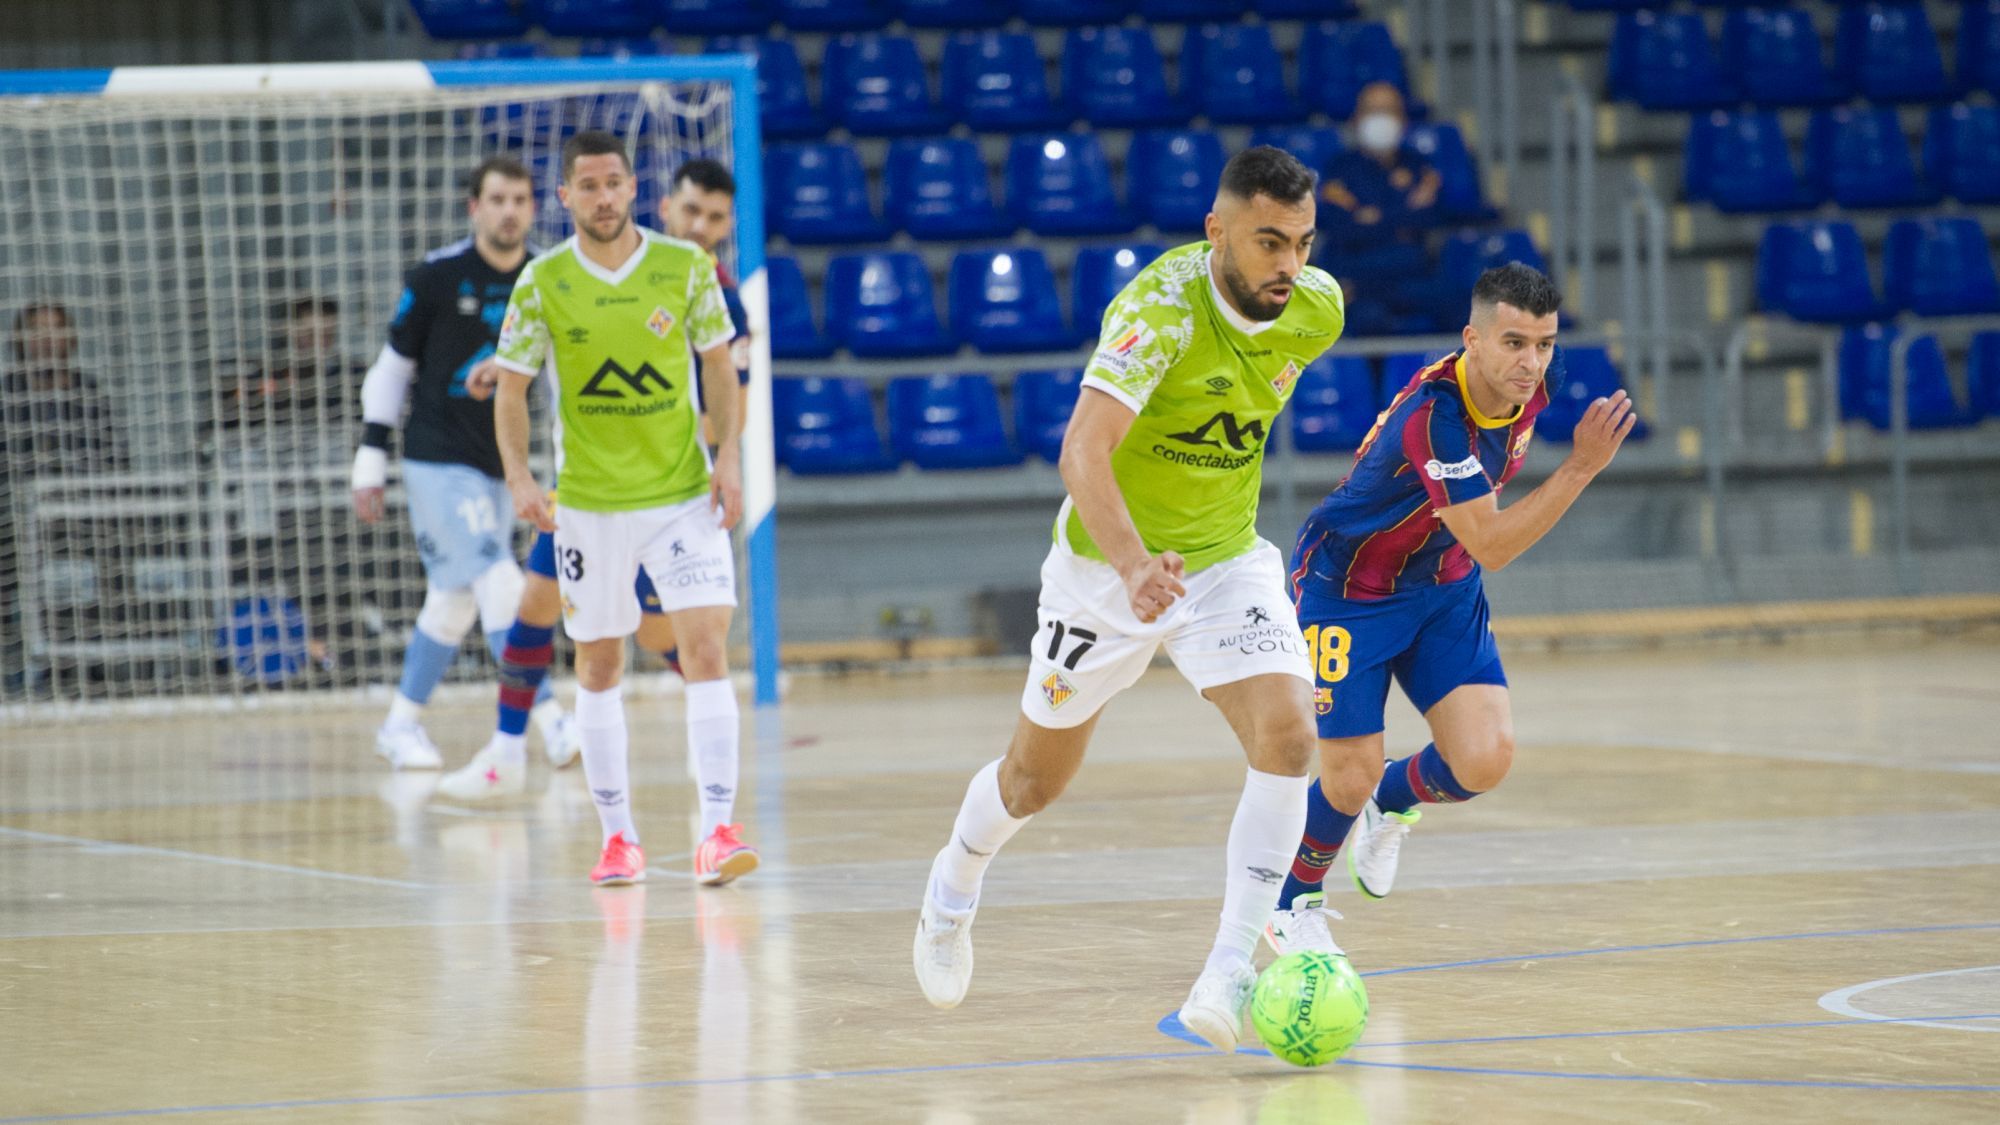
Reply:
x=1642 y=264
x=1573 y=195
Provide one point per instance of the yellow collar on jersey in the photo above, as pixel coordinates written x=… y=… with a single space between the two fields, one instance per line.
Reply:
x=1472 y=408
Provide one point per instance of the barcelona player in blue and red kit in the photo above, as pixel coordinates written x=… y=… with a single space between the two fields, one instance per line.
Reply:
x=1386 y=582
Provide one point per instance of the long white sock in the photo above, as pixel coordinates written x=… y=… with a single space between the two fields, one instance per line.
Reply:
x=601 y=717
x=982 y=826
x=713 y=731
x=1262 y=841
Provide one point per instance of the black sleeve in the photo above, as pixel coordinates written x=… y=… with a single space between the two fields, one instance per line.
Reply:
x=411 y=322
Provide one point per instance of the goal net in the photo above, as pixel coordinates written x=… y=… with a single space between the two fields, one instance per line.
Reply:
x=196 y=267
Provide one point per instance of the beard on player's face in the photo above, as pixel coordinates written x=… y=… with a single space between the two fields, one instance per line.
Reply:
x=605 y=224
x=1249 y=300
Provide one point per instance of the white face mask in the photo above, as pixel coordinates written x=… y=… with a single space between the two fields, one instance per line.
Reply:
x=1379 y=132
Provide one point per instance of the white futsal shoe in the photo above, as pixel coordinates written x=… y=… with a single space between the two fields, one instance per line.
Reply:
x=562 y=737
x=1378 y=843
x=1303 y=928
x=943 y=949
x=1214 y=1009
x=406 y=747
x=491 y=773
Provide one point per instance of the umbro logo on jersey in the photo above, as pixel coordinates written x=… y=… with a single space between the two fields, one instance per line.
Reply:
x=1219 y=385
x=636 y=380
x=579 y=335
x=661 y=322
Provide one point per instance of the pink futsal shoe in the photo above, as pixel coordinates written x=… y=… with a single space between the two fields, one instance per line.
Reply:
x=622 y=863
x=723 y=856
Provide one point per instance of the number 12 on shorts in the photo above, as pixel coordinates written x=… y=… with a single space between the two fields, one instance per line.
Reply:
x=1328 y=644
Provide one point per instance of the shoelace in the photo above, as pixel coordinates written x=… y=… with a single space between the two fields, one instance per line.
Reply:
x=1389 y=840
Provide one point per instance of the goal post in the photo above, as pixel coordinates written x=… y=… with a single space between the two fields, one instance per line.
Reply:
x=224 y=245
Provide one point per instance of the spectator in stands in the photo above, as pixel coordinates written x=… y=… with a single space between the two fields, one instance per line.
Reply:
x=309 y=384
x=1380 y=203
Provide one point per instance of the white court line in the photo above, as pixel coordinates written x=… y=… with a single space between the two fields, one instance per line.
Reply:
x=1841 y=1001
x=201 y=857
x=1774 y=753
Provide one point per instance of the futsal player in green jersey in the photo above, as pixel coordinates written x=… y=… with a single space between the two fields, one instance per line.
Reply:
x=610 y=316
x=1157 y=544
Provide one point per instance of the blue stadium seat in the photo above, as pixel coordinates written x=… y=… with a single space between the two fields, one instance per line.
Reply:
x=948 y=422
x=1890 y=52
x=876 y=84
x=1860 y=158
x=715 y=17
x=1190 y=11
x=938 y=188
x=1982 y=376
x=1006 y=301
x=784 y=108
x=1979 y=46
x=1234 y=76
x=882 y=305
x=1962 y=152
x=1815 y=271
x=1314 y=145
x=1060 y=184
x=470 y=19
x=1865 y=352
x=1397 y=370
x=956 y=13
x=1664 y=60
x=835 y=15
x=594 y=17
x=630 y=47
x=793 y=333
x=1307 y=9
x=827 y=426
x=1043 y=402
x=516 y=49
x=1334 y=404
x=819 y=194
x=1939 y=267
x=1097 y=277
x=1173 y=175
x=1336 y=59
x=1469 y=253
x=1775 y=54
x=1460 y=196
x=995 y=80
x=1584 y=375
x=1113 y=76
x=1074 y=13
x=1741 y=163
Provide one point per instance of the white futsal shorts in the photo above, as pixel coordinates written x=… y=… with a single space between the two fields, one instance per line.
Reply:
x=1235 y=622
x=598 y=556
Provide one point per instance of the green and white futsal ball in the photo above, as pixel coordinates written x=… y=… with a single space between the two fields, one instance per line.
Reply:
x=1309 y=1008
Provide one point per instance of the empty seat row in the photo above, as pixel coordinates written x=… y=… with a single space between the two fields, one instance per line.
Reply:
x=1005 y=300
x=1866 y=351
x=1818 y=271
x=1856 y=157
x=1056 y=184
x=1772 y=56
x=485 y=19
x=829 y=426
x=1111 y=76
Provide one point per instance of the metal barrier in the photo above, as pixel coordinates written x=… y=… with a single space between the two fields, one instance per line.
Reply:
x=1573 y=195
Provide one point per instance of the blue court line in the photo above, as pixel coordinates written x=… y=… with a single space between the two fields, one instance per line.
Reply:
x=1678 y=1080
x=612 y=1087
x=1566 y=953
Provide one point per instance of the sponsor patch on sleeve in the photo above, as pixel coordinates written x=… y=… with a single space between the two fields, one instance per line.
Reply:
x=1117 y=348
x=1458 y=470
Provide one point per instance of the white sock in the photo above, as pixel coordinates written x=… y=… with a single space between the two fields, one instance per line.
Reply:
x=1263 y=839
x=982 y=826
x=512 y=747
x=403 y=711
x=601 y=717
x=713 y=730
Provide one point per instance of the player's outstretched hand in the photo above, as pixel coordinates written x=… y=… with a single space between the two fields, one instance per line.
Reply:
x=725 y=490
x=532 y=504
x=1601 y=432
x=483 y=379
x=1155 y=585
x=368 y=504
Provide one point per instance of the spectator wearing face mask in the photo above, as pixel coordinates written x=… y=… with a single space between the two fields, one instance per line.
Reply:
x=1379 y=201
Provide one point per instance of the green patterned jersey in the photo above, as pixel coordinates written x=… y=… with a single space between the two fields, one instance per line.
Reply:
x=1207 y=385
x=617 y=343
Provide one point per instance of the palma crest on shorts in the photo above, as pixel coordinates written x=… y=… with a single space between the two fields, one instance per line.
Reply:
x=1056 y=690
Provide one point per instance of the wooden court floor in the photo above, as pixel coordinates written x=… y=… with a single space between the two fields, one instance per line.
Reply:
x=1747 y=884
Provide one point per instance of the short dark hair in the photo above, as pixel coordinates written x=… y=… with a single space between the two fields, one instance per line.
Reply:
x=706 y=174
x=1520 y=285
x=592 y=142
x=1265 y=170
x=305 y=306
x=18 y=345
x=504 y=166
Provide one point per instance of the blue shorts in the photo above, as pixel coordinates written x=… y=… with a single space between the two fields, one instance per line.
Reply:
x=461 y=519
x=542 y=561
x=1434 y=639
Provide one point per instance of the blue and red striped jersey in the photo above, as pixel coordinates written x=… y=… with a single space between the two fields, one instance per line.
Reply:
x=1378 y=532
